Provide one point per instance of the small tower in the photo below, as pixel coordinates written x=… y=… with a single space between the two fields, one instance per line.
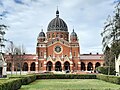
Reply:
x=73 y=37
x=41 y=37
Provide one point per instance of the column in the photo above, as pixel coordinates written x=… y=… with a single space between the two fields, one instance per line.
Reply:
x=12 y=67
x=85 y=67
x=71 y=67
x=62 y=67
x=53 y=67
x=28 y=67
x=79 y=66
x=36 y=66
x=101 y=64
x=44 y=67
x=93 y=67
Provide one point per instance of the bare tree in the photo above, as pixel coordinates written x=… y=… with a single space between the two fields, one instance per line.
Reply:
x=11 y=51
x=20 y=58
x=17 y=56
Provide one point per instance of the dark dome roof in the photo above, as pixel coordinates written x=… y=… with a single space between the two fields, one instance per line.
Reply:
x=41 y=34
x=57 y=24
x=73 y=34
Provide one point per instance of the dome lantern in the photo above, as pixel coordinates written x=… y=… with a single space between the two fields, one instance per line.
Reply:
x=57 y=13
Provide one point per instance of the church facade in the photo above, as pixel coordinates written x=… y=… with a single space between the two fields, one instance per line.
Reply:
x=57 y=50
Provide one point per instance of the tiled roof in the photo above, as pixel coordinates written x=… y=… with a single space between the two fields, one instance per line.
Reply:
x=93 y=56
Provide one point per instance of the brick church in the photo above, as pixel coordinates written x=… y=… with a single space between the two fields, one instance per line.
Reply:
x=57 y=50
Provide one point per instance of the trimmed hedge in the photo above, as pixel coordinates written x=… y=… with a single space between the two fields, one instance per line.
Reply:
x=10 y=84
x=15 y=82
x=66 y=76
x=109 y=78
x=26 y=79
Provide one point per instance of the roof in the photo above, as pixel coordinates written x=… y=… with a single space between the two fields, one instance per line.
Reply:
x=73 y=34
x=41 y=34
x=93 y=56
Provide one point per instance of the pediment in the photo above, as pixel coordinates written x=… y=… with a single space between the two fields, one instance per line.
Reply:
x=58 y=58
x=49 y=59
x=66 y=58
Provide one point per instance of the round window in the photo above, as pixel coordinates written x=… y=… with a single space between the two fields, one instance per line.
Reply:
x=58 y=49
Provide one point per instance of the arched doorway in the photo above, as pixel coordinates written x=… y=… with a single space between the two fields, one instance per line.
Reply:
x=18 y=67
x=49 y=66
x=66 y=66
x=25 y=67
x=97 y=64
x=90 y=66
x=82 y=66
x=58 y=66
x=32 y=67
x=9 y=66
x=1 y=71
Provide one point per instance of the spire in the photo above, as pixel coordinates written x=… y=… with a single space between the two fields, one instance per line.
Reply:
x=73 y=29
x=57 y=12
x=41 y=30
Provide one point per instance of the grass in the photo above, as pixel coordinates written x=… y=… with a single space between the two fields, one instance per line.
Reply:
x=70 y=84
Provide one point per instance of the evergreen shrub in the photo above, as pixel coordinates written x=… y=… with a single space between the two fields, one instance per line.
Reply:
x=104 y=70
x=26 y=79
x=10 y=84
x=109 y=78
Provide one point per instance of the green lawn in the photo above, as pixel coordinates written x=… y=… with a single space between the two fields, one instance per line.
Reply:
x=70 y=84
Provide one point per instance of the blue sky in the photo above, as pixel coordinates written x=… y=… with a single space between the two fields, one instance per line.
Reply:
x=26 y=18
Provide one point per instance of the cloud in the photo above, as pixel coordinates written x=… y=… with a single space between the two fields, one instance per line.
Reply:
x=19 y=1
x=3 y=14
x=1 y=4
x=26 y=18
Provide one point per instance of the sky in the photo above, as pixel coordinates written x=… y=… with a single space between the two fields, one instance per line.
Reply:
x=26 y=18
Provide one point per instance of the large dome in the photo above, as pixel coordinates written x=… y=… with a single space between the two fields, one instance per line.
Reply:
x=57 y=24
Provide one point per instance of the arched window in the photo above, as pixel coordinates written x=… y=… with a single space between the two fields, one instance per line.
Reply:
x=58 y=66
x=48 y=35
x=57 y=35
x=41 y=64
x=32 y=67
x=90 y=66
x=41 y=53
x=74 y=54
x=49 y=66
x=66 y=66
x=18 y=66
x=53 y=35
x=97 y=64
x=25 y=67
x=61 y=36
x=9 y=66
x=82 y=66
